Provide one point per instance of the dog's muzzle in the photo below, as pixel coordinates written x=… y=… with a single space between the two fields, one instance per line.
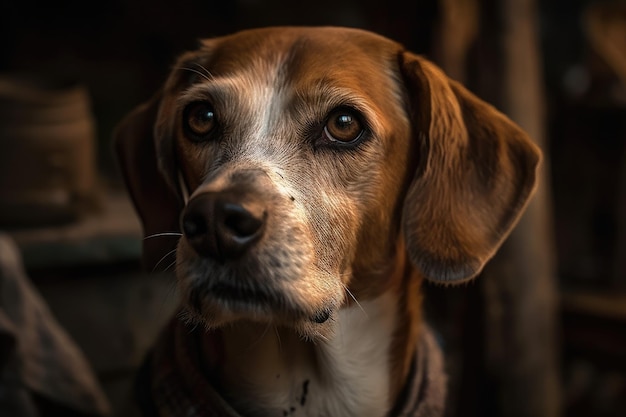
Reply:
x=223 y=225
x=239 y=267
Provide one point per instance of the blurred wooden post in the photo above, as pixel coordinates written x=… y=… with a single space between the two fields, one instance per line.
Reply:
x=519 y=284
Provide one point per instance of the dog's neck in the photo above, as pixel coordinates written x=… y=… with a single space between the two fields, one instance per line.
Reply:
x=265 y=370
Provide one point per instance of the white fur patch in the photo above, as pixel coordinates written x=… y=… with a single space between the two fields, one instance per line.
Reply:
x=357 y=360
x=346 y=375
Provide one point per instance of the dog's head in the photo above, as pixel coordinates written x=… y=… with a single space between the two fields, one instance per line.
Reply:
x=298 y=162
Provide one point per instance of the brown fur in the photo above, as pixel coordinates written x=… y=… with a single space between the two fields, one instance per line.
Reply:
x=430 y=193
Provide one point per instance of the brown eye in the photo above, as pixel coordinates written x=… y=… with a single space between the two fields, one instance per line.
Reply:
x=343 y=125
x=199 y=121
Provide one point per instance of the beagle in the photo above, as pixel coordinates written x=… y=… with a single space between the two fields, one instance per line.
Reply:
x=308 y=180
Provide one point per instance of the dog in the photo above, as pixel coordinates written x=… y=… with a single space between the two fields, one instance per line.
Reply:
x=312 y=178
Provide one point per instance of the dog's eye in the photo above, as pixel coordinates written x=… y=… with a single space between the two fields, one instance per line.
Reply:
x=199 y=120
x=343 y=125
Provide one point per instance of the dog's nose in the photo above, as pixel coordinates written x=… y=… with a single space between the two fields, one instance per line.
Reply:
x=223 y=225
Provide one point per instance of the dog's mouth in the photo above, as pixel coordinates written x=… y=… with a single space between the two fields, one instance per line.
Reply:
x=241 y=295
x=280 y=289
x=250 y=301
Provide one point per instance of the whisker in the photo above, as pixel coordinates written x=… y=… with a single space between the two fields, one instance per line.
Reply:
x=184 y=315
x=253 y=345
x=317 y=338
x=163 y=258
x=177 y=234
x=195 y=326
x=349 y=293
x=280 y=343
x=169 y=266
x=196 y=72
x=355 y=300
x=207 y=72
x=171 y=292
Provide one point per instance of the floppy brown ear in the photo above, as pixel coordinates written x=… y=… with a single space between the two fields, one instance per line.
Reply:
x=475 y=175
x=157 y=204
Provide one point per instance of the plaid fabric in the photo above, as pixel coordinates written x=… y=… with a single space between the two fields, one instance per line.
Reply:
x=178 y=388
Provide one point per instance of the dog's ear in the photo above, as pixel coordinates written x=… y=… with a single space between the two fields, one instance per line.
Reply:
x=475 y=173
x=155 y=200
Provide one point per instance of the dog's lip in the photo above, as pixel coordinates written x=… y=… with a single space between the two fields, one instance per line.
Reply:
x=240 y=298
x=249 y=295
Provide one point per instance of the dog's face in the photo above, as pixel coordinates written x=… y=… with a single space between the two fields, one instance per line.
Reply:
x=299 y=163
x=308 y=141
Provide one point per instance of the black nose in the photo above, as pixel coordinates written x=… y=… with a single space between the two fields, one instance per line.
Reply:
x=223 y=225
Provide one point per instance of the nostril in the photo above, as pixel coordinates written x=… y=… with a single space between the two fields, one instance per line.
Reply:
x=197 y=224
x=223 y=225
x=241 y=222
x=194 y=225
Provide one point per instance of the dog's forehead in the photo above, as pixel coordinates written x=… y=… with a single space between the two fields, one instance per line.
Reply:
x=302 y=53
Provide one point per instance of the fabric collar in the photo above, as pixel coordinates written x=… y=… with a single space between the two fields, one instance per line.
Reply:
x=171 y=384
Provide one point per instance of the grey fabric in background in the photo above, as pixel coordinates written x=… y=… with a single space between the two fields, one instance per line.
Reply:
x=37 y=356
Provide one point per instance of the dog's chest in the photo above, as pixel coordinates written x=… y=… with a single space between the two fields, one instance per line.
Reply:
x=346 y=376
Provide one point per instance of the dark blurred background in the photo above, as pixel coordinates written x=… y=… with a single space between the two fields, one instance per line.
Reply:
x=541 y=333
